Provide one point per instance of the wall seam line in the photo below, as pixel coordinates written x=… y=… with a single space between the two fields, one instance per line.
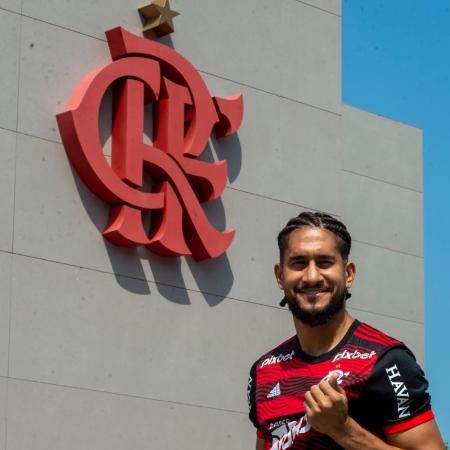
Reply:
x=143 y=280
x=417 y=322
x=15 y=181
x=240 y=83
x=2 y=8
x=121 y=394
x=382 y=181
x=387 y=248
x=335 y=113
x=281 y=201
x=156 y=283
x=227 y=187
x=320 y=9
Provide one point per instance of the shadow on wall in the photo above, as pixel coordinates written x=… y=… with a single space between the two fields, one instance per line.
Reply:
x=214 y=278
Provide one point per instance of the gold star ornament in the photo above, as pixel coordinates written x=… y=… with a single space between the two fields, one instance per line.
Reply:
x=158 y=18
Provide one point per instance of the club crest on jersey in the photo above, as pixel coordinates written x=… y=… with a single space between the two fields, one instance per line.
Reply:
x=277 y=359
x=339 y=373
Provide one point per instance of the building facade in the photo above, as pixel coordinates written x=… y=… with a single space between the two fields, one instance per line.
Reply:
x=103 y=347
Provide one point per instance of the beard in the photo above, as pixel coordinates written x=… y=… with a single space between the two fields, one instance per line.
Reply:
x=317 y=317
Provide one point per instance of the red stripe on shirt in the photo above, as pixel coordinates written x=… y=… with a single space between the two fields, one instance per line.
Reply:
x=370 y=331
x=379 y=338
x=410 y=423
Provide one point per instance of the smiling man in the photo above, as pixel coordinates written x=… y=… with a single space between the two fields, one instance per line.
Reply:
x=337 y=383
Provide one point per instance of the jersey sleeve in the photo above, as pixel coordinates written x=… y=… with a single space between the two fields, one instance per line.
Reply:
x=398 y=391
x=251 y=389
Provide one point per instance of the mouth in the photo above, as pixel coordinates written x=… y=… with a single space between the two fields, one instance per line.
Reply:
x=312 y=293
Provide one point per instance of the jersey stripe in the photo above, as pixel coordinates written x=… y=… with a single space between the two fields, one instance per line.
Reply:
x=377 y=338
x=410 y=423
x=370 y=331
x=284 y=374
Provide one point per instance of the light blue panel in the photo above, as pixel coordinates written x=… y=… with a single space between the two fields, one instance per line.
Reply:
x=43 y=417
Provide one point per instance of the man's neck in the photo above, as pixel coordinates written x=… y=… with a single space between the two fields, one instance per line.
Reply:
x=321 y=339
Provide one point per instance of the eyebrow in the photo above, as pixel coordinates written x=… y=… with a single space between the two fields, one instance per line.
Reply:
x=306 y=257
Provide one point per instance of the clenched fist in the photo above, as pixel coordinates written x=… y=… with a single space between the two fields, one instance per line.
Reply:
x=326 y=406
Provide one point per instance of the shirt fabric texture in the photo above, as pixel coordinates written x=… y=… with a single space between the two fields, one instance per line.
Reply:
x=385 y=387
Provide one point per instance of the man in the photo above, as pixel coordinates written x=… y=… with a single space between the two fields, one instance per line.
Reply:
x=338 y=383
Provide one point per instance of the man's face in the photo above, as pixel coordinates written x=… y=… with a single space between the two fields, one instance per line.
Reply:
x=313 y=275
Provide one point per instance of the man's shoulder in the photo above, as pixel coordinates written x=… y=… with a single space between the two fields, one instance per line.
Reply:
x=282 y=352
x=374 y=337
x=388 y=349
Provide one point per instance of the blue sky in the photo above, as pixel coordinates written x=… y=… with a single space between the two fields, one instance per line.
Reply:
x=396 y=63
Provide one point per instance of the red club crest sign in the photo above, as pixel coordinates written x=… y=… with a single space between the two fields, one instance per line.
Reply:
x=184 y=116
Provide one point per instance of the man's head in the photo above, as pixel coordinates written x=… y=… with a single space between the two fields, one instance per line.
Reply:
x=314 y=271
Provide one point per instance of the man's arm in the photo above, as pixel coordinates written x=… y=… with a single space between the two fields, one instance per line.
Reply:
x=423 y=437
x=327 y=409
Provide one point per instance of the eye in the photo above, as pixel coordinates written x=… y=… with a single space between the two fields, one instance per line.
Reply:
x=298 y=264
x=325 y=263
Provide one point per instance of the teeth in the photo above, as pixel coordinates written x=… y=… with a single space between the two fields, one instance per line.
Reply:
x=312 y=291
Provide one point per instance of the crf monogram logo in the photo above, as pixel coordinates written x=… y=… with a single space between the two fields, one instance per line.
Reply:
x=185 y=114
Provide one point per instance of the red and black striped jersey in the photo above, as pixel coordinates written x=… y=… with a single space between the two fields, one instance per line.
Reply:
x=386 y=388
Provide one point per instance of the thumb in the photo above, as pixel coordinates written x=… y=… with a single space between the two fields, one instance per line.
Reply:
x=334 y=383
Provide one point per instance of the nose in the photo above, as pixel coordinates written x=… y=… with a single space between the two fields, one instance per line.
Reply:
x=312 y=274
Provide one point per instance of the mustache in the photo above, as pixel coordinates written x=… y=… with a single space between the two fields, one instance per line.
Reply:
x=305 y=289
x=284 y=300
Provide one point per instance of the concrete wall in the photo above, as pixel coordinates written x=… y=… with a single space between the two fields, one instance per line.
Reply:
x=108 y=348
x=382 y=205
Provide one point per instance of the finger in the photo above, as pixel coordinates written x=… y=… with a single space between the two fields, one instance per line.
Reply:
x=309 y=400
x=333 y=381
x=311 y=407
x=308 y=410
x=317 y=394
x=311 y=403
x=329 y=390
x=322 y=400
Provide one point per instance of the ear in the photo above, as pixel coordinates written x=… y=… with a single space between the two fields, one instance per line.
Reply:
x=279 y=275
x=350 y=272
